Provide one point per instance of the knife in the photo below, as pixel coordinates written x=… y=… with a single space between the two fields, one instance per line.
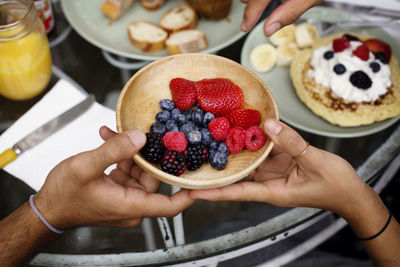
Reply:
x=45 y=131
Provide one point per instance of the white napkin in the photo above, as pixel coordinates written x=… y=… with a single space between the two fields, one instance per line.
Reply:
x=386 y=4
x=80 y=135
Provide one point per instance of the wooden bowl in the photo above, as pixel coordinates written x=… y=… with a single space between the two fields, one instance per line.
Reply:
x=138 y=105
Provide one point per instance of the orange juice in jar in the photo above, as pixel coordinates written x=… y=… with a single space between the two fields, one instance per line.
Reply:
x=25 y=60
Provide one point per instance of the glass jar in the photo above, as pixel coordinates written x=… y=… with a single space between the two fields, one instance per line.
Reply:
x=25 y=60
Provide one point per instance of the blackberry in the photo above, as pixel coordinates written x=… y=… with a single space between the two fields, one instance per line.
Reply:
x=339 y=69
x=154 y=148
x=381 y=57
x=167 y=104
x=328 y=54
x=196 y=155
x=158 y=127
x=360 y=80
x=350 y=37
x=173 y=162
x=375 y=67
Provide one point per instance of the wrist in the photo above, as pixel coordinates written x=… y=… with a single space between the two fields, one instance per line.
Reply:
x=52 y=212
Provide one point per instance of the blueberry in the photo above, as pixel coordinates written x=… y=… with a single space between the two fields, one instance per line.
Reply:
x=375 y=67
x=175 y=112
x=207 y=118
x=218 y=160
x=381 y=57
x=328 y=54
x=205 y=136
x=158 y=127
x=360 y=80
x=163 y=116
x=194 y=137
x=213 y=146
x=167 y=104
x=181 y=119
x=339 y=69
x=350 y=37
x=197 y=116
x=187 y=128
x=171 y=126
x=223 y=148
x=188 y=113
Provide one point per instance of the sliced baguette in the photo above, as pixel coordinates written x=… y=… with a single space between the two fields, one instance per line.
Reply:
x=152 y=4
x=115 y=8
x=179 y=18
x=147 y=36
x=186 y=41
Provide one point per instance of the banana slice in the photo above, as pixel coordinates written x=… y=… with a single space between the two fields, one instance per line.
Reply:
x=306 y=34
x=286 y=53
x=284 y=35
x=263 y=57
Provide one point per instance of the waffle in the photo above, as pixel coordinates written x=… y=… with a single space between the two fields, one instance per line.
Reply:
x=334 y=109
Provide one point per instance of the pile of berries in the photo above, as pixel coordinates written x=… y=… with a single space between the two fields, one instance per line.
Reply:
x=204 y=122
x=380 y=50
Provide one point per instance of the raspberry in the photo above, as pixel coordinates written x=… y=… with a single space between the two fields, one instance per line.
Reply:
x=362 y=52
x=195 y=156
x=219 y=128
x=173 y=162
x=235 y=141
x=255 y=138
x=340 y=44
x=175 y=141
x=153 y=149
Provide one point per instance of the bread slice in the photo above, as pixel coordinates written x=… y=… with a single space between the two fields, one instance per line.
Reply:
x=186 y=41
x=179 y=18
x=147 y=36
x=116 y=8
x=152 y=4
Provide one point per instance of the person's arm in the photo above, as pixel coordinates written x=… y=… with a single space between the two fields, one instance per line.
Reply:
x=22 y=235
x=286 y=13
x=300 y=175
x=77 y=192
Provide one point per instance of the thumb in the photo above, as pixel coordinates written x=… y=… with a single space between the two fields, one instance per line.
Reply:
x=287 y=139
x=116 y=149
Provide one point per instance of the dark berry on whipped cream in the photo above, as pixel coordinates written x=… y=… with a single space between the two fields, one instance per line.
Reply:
x=381 y=57
x=360 y=80
x=328 y=55
x=375 y=67
x=351 y=37
x=339 y=69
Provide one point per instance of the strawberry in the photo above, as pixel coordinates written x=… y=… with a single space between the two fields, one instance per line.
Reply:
x=235 y=141
x=219 y=96
x=244 y=118
x=219 y=128
x=175 y=141
x=183 y=93
x=340 y=44
x=376 y=46
x=255 y=138
x=362 y=52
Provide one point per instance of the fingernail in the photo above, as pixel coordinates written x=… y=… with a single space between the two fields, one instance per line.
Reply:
x=273 y=127
x=137 y=137
x=243 y=27
x=271 y=29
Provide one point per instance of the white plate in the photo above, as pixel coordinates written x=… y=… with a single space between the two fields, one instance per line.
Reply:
x=291 y=109
x=86 y=18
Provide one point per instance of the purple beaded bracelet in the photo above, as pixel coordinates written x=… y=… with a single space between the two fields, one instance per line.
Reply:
x=48 y=225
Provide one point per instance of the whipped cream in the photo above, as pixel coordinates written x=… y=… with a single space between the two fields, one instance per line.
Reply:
x=324 y=75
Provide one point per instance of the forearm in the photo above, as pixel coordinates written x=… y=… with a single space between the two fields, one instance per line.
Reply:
x=367 y=220
x=22 y=235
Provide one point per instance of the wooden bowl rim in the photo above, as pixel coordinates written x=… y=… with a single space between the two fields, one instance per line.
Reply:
x=185 y=182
